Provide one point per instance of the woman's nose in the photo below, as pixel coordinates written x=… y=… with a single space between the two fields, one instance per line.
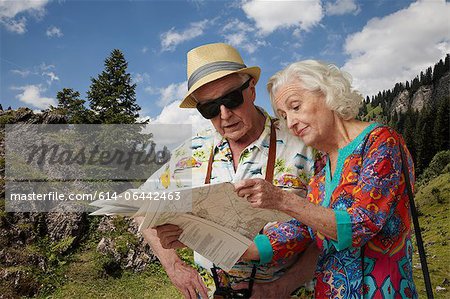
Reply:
x=291 y=121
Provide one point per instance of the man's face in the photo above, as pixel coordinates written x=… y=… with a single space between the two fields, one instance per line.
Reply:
x=233 y=124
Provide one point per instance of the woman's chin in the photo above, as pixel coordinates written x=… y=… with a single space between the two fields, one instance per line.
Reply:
x=305 y=138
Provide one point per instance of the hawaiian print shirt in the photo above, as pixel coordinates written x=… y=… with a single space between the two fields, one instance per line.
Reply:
x=294 y=166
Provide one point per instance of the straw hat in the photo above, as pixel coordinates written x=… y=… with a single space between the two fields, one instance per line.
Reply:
x=211 y=62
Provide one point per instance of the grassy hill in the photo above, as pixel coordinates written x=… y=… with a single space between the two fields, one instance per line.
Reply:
x=433 y=201
x=83 y=280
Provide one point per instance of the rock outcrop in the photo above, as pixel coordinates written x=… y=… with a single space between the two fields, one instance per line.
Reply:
x=421 y=98
x=400 y=103
x=124 y=244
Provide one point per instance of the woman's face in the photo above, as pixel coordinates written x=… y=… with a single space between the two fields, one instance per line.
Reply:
x=306 y=113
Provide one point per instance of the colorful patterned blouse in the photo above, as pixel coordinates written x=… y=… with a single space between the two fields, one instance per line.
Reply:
x=372 y=256
x=294 y=167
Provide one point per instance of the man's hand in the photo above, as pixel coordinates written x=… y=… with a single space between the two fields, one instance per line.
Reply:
x=187 y=280
x=168 y=235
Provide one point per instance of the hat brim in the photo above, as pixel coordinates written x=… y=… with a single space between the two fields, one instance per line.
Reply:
x=190 y=102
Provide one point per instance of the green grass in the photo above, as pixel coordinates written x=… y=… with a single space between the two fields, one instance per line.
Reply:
x=435 y=224
x=83 y=280
x=84 y=275
x=372 y=113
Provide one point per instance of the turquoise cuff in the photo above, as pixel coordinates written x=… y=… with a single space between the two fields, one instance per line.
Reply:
x=264 y=247
x=344 y=230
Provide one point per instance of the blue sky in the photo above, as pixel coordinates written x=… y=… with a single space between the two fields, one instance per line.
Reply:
x=49 y=45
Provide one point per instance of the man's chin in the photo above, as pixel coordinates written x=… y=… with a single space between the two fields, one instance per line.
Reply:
x=233 y=135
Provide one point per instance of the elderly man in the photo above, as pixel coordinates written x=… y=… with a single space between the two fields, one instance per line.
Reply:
x=246 y=143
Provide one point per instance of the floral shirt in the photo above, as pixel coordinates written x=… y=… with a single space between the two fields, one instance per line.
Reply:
x=294 y=166
x=372 y=256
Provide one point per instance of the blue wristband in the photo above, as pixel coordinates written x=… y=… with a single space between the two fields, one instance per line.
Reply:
x=264 y=247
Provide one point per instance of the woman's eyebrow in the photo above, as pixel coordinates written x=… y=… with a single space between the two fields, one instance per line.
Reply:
x=291 y=100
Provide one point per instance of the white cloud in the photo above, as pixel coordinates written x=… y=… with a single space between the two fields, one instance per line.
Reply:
x=9 y=11
x=235 y=39
x=51 y=77
x=171 y=39
x=39 y=70
x=342 y=7
x=238 y=26
x=31 y=94
x=18 y=26
x=45 y=67
x=270 y=16
x=144 y=50
x=22 y=73
x=241 y=42
x=168 y=94
x=242 y=35
x=172 y=114
x=397 y=47
x=141 y=78
x=333 y=45
x=54 y=32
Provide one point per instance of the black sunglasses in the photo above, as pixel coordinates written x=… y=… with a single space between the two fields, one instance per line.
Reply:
x=231 y=100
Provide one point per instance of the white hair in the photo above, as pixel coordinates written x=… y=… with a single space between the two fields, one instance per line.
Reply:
x=314 y=75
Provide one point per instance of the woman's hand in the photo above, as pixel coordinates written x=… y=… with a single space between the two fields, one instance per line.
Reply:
x=260 y=193
x=251 y=254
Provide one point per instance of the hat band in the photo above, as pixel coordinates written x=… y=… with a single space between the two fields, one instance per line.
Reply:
x=212 y=68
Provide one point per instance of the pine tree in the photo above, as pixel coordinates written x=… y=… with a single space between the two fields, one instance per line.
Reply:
x=362 y=111
x=447 y=62
x=441 y=128
x=425 y=146
x=415 y=85
x=112 y=96
x=1 y=107
x=70 y=104
x=438 y=71
x=394 y=120
x=408 y=132
x=422 y=78
x=400 y=121
x=429 y=76
x=419 y=142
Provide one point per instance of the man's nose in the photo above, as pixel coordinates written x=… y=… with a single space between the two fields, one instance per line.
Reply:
x=225 y=113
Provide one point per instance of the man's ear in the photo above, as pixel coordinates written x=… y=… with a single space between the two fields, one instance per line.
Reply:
x=252 y=89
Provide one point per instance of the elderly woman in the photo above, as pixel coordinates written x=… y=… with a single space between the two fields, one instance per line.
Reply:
x=357 y=207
